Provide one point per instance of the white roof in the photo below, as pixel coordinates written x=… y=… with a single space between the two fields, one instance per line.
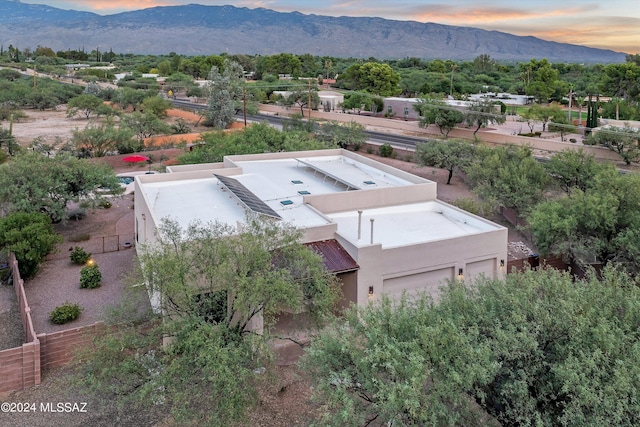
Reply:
x=272 y=181
x=410 y=224
x=282 y=184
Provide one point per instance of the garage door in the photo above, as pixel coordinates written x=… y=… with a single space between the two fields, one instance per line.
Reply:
x=428 y=282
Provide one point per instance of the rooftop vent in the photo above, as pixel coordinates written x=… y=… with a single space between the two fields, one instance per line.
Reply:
x=286 y=202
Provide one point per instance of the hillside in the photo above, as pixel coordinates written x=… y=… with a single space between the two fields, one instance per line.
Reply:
x=195 y=29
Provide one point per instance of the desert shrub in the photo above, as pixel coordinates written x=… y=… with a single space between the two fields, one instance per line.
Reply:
x=90 y=277
x=385 y=150
x=476 y=207
x=105 y=204
x=79 y=256
x=65 y=313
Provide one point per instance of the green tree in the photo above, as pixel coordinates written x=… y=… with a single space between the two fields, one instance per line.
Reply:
x=483 y=113
x=85 y=104
x=344 y=135
x=600 y=224
x=144 y=125
x=128 y=97
x=574 y=169
x=447 y=155
x=213 y=282
x=623 y=140
x=372 y=77
x=537 y=348
x=225 y=94
x=510 y=176
x=542 y=80
x=32 y=182
x=547 y=114
x=100 y=139
x=156 y=105
x=30 y=237
x=437 y=113
x=300 y=97
x=42 y=100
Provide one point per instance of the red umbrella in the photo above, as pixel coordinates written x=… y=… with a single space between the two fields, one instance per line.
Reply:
x=136 y=158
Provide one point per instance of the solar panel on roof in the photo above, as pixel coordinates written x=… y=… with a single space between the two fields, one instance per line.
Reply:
x=249 y=199
x=303 y=192
x=369 y=182
x=296 y=181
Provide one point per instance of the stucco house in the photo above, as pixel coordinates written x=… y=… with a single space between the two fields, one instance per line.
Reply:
x=380 y=229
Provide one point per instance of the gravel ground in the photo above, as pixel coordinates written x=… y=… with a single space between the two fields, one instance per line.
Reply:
x=11 y=332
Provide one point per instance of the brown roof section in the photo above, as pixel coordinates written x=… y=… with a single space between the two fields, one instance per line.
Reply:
x=336 y=258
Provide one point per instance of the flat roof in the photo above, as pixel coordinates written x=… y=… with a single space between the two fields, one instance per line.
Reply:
x=279 y=185
x=409 y=224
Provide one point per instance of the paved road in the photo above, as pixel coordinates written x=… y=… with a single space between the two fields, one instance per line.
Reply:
x=396 y=140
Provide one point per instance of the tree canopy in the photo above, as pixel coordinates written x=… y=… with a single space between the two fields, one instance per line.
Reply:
x=508 y=175
x=213 y=282
x=599 y=223
x=437 y=113
x=32 y=182
x=535 y=349
x=447 y=155
x=30 y=237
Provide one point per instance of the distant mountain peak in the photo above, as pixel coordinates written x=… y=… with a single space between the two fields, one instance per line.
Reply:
x=197 y=29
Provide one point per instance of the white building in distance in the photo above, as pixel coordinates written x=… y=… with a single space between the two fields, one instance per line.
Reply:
x=380 y=229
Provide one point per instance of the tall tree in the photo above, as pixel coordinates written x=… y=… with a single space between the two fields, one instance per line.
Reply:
x=225 y=92
x=483 y=113
x=100 y=139
x=84 y=104
x=532 y=349
x=623 y=140
x=447 y=155
x=33 y=182
x=30 y=236
x=575 y=169
x=434 y=112
x=213 y=281
x=510 y=176
x=600 y=224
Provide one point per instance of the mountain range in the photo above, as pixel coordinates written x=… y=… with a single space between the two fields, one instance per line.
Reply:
x=203 y=30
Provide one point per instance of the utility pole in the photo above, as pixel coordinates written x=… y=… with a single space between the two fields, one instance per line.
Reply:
x=244 y=104
x=570 y=99
x=34 y=76
x=309 y=100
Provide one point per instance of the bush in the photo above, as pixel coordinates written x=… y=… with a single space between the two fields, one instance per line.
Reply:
x=386 y=150
x=90 y=277
x=65 y=313
x=79 y=256
x=104 y=204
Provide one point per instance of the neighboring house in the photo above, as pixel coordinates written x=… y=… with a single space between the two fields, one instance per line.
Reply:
x=75 y=67
x=380 y=229
x=330 y=100
x=506 y=98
